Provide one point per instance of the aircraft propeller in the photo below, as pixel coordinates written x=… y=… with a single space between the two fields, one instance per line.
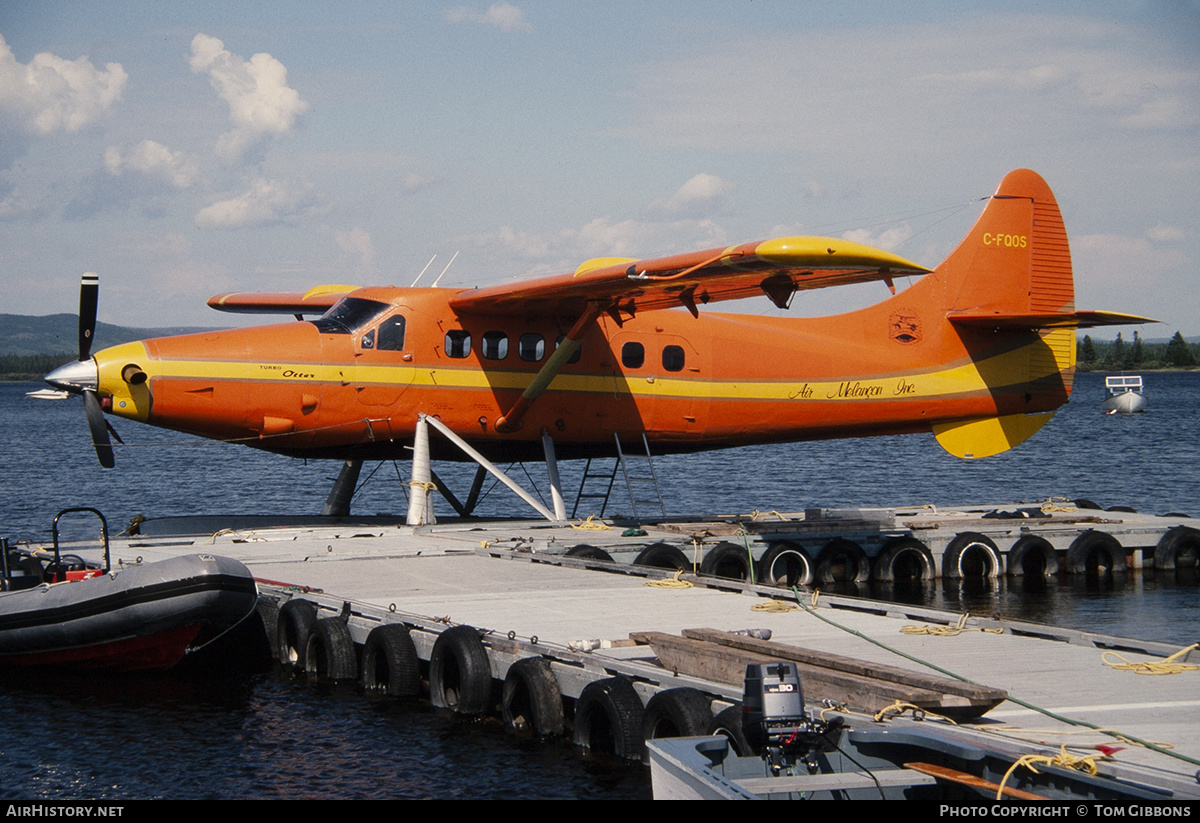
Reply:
x=82 y=376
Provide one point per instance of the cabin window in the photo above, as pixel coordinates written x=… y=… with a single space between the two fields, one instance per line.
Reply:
x=391 y=334
x=673 y=358
x=633 y=355
x=531 y=347
x=349 y=315
x=458 y=343
x=494 y=345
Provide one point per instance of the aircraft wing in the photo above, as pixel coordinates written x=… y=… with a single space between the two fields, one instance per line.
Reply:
x=317 y=300
x=776 y=268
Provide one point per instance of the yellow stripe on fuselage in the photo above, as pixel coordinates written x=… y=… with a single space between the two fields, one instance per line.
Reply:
x=1009 y=368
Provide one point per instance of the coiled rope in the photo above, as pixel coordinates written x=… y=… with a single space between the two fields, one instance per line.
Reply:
x=1167 y=666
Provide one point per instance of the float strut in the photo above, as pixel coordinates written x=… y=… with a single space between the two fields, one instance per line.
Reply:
x=338 y=502
x=560 y=508
x=420 y=503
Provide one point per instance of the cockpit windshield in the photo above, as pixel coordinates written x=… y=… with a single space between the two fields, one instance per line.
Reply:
x=349 y=315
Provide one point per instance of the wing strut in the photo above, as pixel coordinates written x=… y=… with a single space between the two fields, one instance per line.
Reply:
x=565 y=351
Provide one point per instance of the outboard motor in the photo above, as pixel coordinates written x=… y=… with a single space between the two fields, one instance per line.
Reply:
x=773 y=718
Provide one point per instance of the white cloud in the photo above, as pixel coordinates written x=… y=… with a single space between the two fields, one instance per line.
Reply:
x=889 y=239
x=503 y=16
x=266 y=201
x=702 y=195
x=1163 y=233
x=52 y=94
x=260 y=101
x=152 y=160
x=357 y=241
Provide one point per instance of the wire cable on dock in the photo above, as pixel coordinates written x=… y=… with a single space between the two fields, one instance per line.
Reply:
x=1146 y=744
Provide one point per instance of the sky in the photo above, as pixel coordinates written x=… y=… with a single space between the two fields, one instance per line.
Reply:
x=183 y=150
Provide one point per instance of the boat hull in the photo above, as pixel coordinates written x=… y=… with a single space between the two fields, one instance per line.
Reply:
x=140 y=617
x=1129 y=402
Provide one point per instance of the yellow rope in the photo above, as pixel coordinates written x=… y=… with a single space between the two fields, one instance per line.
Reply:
x=674 y=583
x=899 y=707
x=591 y=524
x=1063 y=759
x=427 y=486
x=948 y=631
x=774 y=606
x=1167 y=666
x=1052 y=504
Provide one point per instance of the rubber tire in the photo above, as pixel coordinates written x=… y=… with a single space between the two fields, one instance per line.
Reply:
x=1166 y=553
x=728 y=724
x=663 y=556
x=329 y=654
x=292 y=628
x=724 y=557
x=1084 y=503
x=608 y=718
x=585 y=552
x=952 y=557
x=531 y=701
x=390 y=666
x=782 y=551
x=1087 y=544
x=904 y=547
x=1032 y=545
x=460 y=675
x=677 y=713
x=840 y=547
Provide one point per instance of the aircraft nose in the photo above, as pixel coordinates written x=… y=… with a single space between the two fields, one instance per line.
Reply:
x=76 y=376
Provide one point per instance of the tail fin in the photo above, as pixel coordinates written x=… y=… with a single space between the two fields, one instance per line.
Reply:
x=1009 y=293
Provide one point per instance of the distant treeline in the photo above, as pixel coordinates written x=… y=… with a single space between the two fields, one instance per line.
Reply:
x=1136 y=354
x=31 y=366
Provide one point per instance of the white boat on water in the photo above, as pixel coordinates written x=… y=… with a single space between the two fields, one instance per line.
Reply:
x=1124 y=394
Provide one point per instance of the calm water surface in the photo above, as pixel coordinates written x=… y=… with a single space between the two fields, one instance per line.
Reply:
x=264 y=734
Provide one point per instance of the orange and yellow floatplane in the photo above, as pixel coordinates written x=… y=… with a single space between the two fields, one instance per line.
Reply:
x=979 y=350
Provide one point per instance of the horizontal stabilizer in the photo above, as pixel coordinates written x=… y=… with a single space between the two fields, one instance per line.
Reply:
x=983 y=438
x=1052 y=320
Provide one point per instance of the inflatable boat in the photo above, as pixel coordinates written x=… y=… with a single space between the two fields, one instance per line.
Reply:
x=145 y=616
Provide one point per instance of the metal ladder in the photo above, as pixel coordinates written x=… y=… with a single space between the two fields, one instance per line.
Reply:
x=638 y=485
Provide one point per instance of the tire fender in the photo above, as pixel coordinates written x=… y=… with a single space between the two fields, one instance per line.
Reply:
x=1032 y=546
x=329 y=653
x=293 y=626
x=390 y=666
x=460 y=675
x=1089 y=543
x=906 y=549
x=531 y=702
x=663 y=556
x=608 y=718
x=1179 y=539
x=785 y=564
x=728 y=561
x=974 y=544
x=677 y=713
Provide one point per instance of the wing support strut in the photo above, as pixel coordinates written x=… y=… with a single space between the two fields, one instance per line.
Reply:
x=566 y=350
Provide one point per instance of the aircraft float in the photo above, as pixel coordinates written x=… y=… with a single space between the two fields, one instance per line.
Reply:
x=979 y=350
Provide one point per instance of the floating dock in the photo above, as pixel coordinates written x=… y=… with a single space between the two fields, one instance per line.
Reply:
x=559 y=626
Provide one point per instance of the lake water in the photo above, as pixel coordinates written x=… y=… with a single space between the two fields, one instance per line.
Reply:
x=268 y=735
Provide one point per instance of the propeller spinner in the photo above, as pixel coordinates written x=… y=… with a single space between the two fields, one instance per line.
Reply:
x=82 y=377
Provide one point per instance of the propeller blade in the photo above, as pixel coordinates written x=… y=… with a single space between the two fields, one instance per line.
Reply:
x=89 y=297
x=99 y=428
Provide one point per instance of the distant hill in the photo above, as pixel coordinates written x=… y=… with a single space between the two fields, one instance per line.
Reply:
x=23 y=335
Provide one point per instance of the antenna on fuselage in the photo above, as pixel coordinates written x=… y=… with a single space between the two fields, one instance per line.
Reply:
x=422 y=274
x=448 y=265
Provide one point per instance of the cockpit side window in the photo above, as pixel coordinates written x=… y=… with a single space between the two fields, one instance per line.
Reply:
x=391 y=333
x=349 y=315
